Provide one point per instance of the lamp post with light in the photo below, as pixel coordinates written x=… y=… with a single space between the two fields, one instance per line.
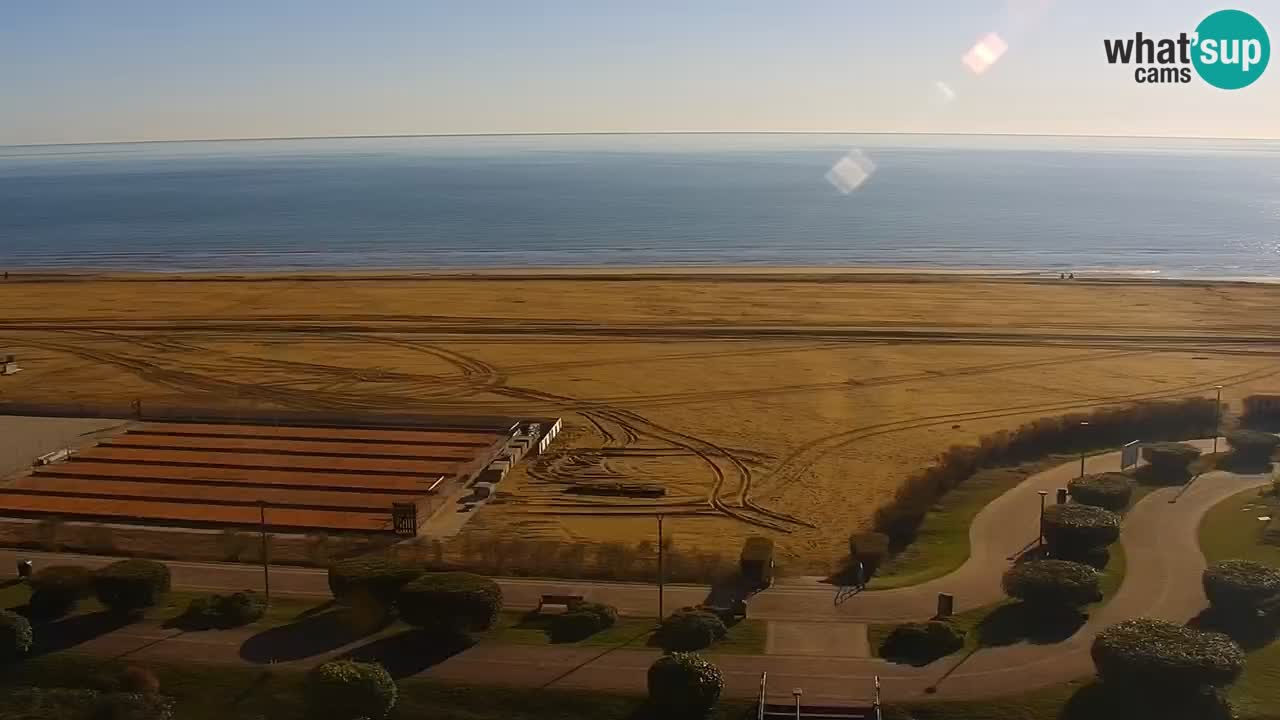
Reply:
x=1083 y=425
x=1217 y=418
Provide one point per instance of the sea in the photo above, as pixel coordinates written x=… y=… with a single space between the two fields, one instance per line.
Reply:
x=1044 y=205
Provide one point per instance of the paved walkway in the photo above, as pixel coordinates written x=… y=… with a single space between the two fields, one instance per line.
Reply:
x=1162 y=580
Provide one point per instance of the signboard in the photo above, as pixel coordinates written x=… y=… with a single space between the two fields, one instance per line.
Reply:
x=1129 y=455
x=404 y=518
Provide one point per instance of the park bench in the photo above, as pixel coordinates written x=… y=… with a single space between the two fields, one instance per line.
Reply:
x=565 y=601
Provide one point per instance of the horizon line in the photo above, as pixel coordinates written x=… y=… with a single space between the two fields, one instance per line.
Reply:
x=588 y=133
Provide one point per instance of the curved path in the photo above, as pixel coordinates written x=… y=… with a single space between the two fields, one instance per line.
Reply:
x=1162 y=580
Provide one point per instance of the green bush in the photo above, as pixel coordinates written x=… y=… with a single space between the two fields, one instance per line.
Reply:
x=131 y=585
x=756 y=561
x=1109 y=491
x=57 y=589
x=223 y=611
x=920 y=643
x=1074 y=531
x=684 y=686
x=1252 y=446
x=1170 y=462
x=583 y=620
x=1240 y=586
x=917 y=494
x=451 y=602
x=378 y=578
x=347 y=690
x=15 y=635
x=690 y=629
x=1159 y=656
x=1053 y=584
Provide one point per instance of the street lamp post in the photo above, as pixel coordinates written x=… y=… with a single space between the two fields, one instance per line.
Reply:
x=1083 y=424
x=1217 y=417
x=660 y=569
x=1043 y=495
x=266 y=574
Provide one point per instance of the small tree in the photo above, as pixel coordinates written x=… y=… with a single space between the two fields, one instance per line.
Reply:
x=683 y=686
x=1074 y=531
x=1157 y=656
x=1170 y=462
x=15 y=635
x=347 y=690
x=690 y=629
x=451 y=602
x=131 y=585
x=1252 y=447
x=1109 y=491
x=1052 y=584
x=57 y=589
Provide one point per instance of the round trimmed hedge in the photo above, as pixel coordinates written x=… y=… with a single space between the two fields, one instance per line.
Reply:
x=223 y=611
x=920 y=643
x=451 y=602
x=1109 y=491
x=1240 y=586
x=15 y=635
x=690 y=629
x=583 y=620
x=379 y=578
x=1253 y=445
x=131 y=585
x=57 y=589
x=1158 y=655
x=347 y=690
x=684 y=685
x=1075 y=530
x=1170 y=455
x=1053 y=583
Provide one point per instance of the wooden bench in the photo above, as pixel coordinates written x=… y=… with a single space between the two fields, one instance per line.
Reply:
x=565 y=601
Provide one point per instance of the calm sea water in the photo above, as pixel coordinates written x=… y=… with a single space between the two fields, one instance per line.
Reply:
x=1170 y=208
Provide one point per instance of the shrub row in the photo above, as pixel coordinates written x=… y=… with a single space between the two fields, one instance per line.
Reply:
x=450 y=602
x=920 y=643
x=223 y=611
x=1240 y=587
x=900 y=518
x=1252 y=446
x=1110 y=491
x=1052 y=584
x=57 y=589
x=131 y=585
x=348 y=690
x=1075 y=531
x=684 y=686
x=1161 y=657
x=583 y=620
x=690 y=629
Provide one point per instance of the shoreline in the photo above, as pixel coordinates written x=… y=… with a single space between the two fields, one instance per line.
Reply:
x=729 y=271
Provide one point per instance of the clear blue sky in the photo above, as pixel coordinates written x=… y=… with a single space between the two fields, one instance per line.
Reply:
x=99 y=70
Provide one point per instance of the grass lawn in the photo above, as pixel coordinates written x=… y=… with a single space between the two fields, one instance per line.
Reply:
x=942 y=543
x=1231 y=530
x=998 y=624
x=745 y=638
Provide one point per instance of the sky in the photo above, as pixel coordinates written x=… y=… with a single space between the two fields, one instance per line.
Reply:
x=129 y=70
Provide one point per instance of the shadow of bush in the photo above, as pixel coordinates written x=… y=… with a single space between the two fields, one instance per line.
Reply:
x=1097 y=701
x=313 y=635
x=1251 y=633
x=412 y=651
x=1018 y=622
x=1244 y=465
x=72 y=631
x=1160 y=477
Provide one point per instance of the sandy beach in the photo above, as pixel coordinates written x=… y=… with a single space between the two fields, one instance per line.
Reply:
x=783 y=402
